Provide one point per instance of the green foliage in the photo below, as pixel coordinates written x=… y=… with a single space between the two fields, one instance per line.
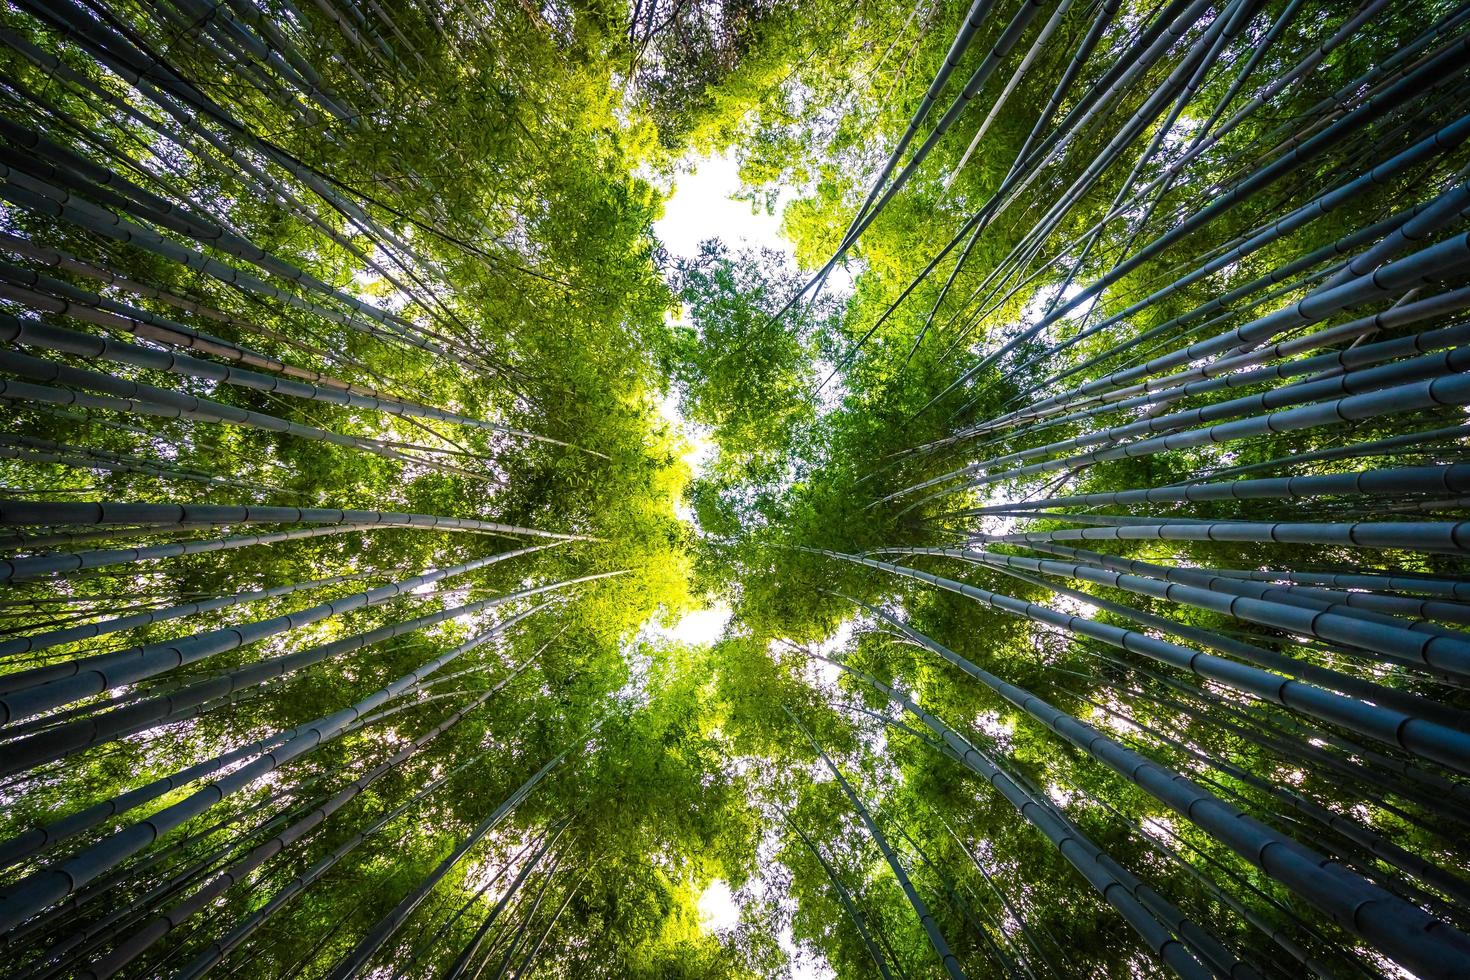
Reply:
x=449 y=213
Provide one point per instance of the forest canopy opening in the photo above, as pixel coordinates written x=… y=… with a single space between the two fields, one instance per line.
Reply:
x=725 y=489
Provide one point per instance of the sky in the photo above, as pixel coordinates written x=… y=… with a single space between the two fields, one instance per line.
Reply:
x=701 y=208
x=698 y=627
x=718 y=911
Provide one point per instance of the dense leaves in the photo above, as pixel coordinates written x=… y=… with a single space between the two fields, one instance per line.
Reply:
x=1083 y=488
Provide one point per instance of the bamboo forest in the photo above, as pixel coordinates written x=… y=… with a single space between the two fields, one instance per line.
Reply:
x=702 y=489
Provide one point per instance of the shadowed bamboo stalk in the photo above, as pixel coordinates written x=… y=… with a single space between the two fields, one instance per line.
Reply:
x=1425 y=738
x=99 y=726
x=1435 y=947
x=142 y=938
x=1079 y=851
x=389 y=925
x=42 y=641
x=844 y=897
x=220 y=948
x=34 y=892
x=37 y=512
x=931 y=928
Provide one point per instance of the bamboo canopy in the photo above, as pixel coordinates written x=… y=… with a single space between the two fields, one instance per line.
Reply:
x=1083 y=497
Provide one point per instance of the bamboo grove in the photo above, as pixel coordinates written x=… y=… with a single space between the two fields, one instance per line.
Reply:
x=1086 y=490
